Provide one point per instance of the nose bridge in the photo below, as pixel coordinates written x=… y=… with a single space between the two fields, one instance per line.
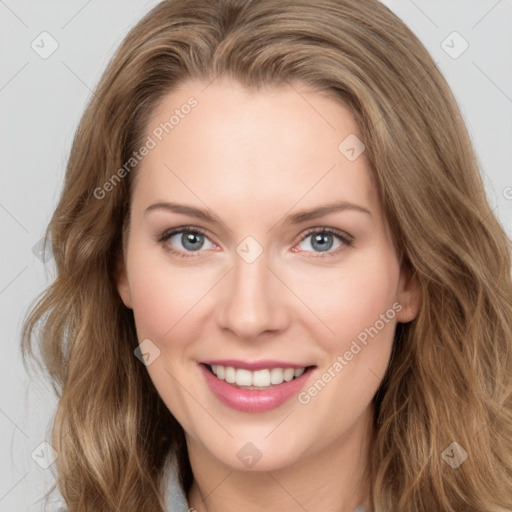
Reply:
x=252 y=302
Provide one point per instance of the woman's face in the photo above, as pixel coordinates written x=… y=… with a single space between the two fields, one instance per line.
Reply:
x=243 y=283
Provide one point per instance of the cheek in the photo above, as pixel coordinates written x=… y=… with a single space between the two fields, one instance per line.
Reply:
x=165 y=298
x=163 y=294
x=351 y=298
x=360 y=307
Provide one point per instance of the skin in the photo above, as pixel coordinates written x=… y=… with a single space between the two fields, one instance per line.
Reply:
x=254 y=157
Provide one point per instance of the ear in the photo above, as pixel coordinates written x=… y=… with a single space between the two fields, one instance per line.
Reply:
x=409 y=294
x=122 y=283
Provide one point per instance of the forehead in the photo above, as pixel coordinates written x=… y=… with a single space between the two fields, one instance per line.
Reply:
x=253 y=149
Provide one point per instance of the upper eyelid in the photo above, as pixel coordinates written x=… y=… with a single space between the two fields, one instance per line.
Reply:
x=183 y=229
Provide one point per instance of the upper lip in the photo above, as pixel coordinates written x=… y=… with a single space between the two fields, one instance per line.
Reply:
x=254 y=365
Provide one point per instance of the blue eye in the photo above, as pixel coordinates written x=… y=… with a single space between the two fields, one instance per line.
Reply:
x=322 y=241
x=193 y=240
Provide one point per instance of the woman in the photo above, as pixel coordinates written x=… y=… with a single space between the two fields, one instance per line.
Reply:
x=206 y=352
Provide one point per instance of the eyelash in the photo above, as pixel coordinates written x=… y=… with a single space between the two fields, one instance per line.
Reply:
x=344 y=237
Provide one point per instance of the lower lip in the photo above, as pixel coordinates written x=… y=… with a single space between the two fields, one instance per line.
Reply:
x=254 y=400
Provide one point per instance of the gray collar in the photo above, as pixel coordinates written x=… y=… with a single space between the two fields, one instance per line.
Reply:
x=175 y=498
x=176 y=501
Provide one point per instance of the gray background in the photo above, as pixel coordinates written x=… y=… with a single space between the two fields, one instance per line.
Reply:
x=41 y=101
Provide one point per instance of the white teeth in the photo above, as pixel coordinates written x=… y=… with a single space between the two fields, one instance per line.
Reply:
x=299 y=372
x=229 y=374
x=276 y=376
x=288 y=374
x=221 y=372
x=243 y=377
x=258 y=378
x=261 y=378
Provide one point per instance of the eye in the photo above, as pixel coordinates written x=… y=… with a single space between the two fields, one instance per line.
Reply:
x=191 y=240
x=322 y=241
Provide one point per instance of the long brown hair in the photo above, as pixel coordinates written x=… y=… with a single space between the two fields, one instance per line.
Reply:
x=450 y=376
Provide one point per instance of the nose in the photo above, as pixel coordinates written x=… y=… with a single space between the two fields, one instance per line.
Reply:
x=254 y=300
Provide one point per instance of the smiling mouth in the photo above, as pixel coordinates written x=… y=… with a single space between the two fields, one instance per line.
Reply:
x=265 y=378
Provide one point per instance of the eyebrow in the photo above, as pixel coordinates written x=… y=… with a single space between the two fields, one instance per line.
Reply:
x=294 y=218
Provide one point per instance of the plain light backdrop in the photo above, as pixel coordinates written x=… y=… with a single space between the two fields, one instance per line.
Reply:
x=53 y=54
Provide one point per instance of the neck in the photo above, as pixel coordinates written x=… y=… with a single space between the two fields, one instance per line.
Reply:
x=332 y=478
